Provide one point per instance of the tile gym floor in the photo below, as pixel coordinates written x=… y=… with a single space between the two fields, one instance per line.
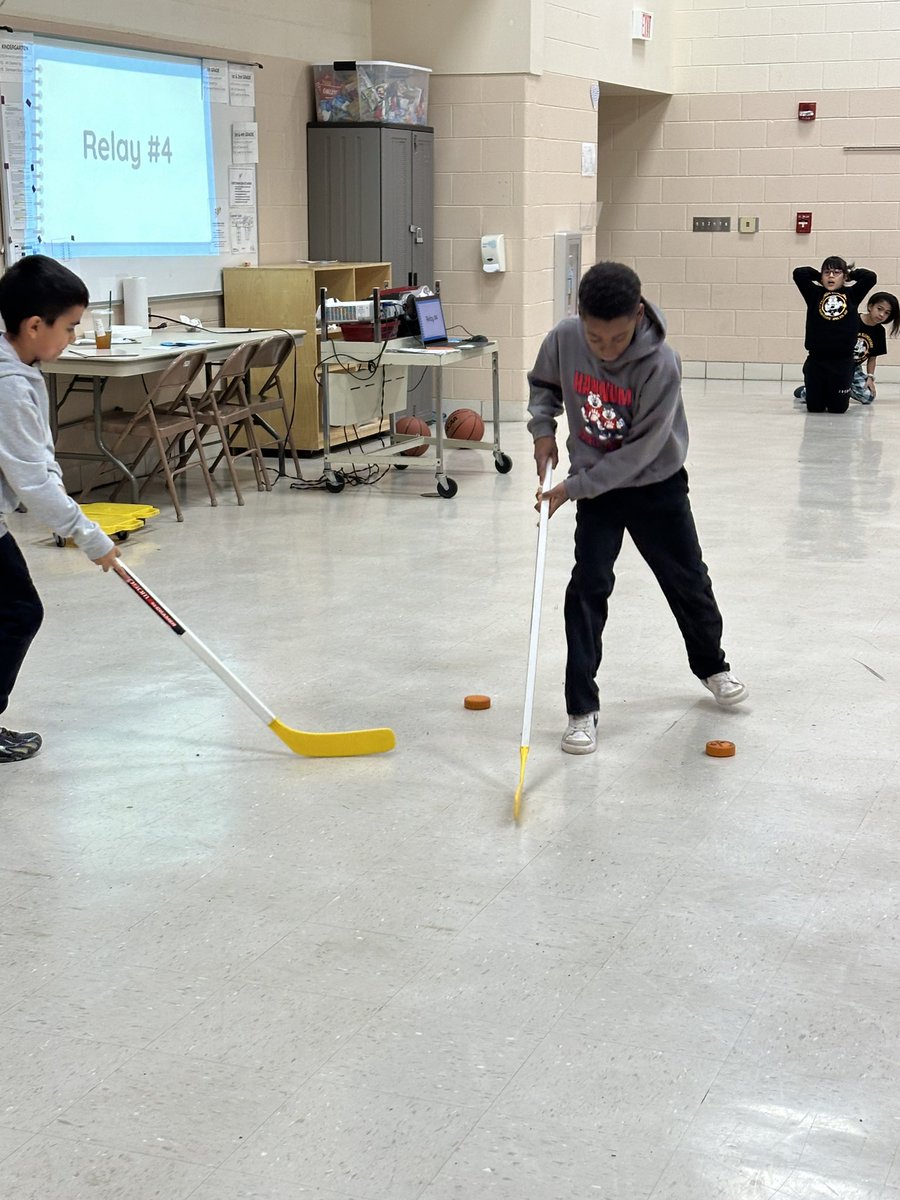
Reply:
x=229 y=973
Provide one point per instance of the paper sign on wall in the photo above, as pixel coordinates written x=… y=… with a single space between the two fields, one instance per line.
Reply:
x=215 y=80
x=241 y=85
x=245 y=142
x=242 y=187
x=243 y=232
x=12 y=116
x=12 y=57
x=220 y=230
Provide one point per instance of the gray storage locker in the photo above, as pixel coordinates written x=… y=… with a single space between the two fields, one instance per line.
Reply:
x=371 y=196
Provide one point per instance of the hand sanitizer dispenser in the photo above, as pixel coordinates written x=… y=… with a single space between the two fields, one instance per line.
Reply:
x=493 y=253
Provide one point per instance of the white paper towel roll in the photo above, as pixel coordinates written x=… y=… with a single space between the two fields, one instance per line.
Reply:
x=136 y=302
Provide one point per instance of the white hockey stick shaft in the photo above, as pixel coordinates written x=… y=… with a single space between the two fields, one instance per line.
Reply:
x=536 y=605
x=202 y=651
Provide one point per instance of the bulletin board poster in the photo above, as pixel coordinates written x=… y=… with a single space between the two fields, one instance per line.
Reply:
x=134 y=178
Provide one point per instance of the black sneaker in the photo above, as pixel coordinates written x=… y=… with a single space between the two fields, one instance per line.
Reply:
x=16 y=746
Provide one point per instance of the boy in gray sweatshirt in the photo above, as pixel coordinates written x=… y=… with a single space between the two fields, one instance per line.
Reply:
x=41 y=302
x=619 y=382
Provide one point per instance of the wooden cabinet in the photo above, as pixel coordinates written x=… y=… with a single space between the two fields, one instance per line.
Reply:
x=286 y=297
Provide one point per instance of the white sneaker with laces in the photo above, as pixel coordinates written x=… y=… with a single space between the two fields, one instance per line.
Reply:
x=726 y=688
x=581 y=734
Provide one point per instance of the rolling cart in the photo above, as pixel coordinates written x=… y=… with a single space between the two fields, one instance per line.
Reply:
x=361 y=382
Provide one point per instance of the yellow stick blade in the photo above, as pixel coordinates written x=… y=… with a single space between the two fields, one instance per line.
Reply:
x=517 y=802
x=335 y=745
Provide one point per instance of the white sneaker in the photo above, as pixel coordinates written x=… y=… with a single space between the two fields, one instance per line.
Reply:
x=726 y=688
x=581 y=734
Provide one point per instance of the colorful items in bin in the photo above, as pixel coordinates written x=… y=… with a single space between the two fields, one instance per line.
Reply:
x=388 y=93
x=337 y=93
x=116 y=520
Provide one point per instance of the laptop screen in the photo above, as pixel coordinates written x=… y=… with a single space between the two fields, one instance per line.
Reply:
x=431 y=319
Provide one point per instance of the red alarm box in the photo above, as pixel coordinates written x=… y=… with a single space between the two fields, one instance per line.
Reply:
x=806 y=111
x=804 y=222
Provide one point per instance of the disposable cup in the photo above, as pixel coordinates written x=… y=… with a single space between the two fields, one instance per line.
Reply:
x=102 y=335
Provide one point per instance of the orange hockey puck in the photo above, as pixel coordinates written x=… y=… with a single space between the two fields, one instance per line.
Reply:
x=720 y=749
x=477 y=702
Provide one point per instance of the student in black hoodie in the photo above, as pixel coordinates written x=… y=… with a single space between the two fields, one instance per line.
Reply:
x=619 y=382
x=832 y=297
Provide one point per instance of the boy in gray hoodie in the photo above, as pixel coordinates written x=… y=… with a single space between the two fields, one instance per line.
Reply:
x=619 y=382
x=41 y=302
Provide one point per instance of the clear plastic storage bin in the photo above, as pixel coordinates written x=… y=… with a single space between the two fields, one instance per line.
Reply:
x=387 y=92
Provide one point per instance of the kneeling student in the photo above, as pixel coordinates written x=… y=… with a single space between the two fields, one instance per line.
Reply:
x=871 y=344
x=832 y=297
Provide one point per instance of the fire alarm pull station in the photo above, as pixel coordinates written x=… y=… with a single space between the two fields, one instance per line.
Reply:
x=804 y=222
x=806 y=111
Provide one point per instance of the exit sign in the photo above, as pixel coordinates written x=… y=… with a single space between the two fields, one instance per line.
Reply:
x=641 y=25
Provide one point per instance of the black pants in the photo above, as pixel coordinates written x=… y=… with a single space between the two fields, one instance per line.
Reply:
x=828 y=384
x=659 y=519
x=21 y=614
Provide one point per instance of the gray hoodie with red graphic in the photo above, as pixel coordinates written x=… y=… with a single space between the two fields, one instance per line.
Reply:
x=627 y=425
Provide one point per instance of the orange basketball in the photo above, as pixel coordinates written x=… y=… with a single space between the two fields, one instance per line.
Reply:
x=464 y=423
x=416 y=427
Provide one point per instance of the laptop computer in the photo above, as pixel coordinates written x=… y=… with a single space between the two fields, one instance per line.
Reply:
x=432 y=326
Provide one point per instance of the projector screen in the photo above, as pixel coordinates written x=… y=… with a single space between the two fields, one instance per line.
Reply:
x=116 y=163
x=129 y=168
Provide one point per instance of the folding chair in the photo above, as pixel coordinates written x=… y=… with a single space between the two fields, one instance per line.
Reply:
x=272 y=354
x=165 y=418
x=225 y=408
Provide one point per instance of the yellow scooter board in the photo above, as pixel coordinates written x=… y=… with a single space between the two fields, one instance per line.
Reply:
x=116 y=520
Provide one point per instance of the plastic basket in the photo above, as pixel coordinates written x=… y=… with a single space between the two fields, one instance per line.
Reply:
x=385 y=92
x=364 y=331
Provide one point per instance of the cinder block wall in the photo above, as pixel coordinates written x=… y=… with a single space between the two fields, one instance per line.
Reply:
x=729 y=143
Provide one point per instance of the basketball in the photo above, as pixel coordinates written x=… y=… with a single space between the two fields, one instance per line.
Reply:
x=466 y=424
x=414 y=426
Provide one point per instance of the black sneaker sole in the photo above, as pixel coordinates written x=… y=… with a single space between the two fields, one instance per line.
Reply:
x=10 y=754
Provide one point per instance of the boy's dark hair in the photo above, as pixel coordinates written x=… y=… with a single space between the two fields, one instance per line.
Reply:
x=892 y=300
x=38 y=286
x=835 y=263
x=609 y=290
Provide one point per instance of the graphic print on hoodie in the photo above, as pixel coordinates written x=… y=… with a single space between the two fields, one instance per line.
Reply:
x=603 y=423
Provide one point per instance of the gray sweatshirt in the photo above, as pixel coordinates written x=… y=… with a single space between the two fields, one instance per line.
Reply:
x=29 y=472
x=626 y=420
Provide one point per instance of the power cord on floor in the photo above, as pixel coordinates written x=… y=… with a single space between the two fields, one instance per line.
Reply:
x=364 y=475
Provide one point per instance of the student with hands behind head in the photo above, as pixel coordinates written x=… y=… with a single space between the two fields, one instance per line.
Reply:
x=619 y=383
x=41 y=302
x=833 y=295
